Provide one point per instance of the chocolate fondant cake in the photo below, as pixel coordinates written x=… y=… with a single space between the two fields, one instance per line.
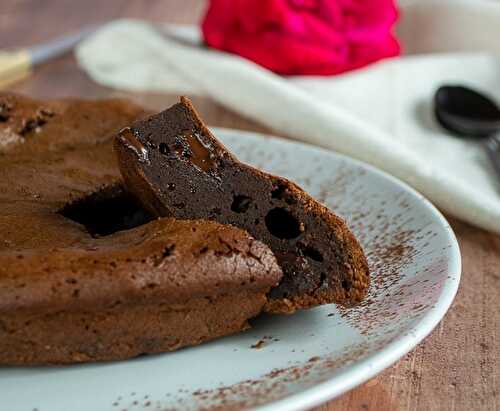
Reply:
x=177 y=168
x=85 y=273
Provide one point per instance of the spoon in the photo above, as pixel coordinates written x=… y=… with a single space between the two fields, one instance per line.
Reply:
x=466 y=112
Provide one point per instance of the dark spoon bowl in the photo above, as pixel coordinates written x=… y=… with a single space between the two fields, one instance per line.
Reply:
x=466 y=112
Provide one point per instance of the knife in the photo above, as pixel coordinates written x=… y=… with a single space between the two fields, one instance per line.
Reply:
x=18 y=64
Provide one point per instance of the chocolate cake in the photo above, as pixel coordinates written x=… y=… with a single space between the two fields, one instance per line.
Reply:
x=177 y=168
x=86 y=274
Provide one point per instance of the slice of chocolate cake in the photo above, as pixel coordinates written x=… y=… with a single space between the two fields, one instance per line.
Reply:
x=176 y=167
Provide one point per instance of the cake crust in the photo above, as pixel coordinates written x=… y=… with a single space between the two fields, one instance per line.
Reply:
x=122 y=332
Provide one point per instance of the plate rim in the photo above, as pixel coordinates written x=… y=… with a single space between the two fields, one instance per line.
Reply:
x=359 y=372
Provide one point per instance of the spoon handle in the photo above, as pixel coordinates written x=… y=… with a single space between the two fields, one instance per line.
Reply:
x=493 y=151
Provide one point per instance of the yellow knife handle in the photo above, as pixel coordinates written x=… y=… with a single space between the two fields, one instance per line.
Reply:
x=14 y=66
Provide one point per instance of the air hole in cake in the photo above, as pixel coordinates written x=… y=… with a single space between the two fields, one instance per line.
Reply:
x=310 y=252
x=107 y=211
x=5 y=109
x=164 y=149
x=179 y=205
x=282 y=224
x=281 y=193
x=241 y=203
x=36 y=122
x=346 y=285
x=168 y=251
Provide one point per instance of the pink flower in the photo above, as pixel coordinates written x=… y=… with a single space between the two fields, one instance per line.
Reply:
x=304 y=36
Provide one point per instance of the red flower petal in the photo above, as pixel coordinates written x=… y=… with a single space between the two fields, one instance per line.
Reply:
x=303 y=36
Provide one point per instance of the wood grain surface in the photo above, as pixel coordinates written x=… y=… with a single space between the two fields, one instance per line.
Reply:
x=456 y=368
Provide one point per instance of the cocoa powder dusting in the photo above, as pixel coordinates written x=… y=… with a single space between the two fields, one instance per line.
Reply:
x=393 y=241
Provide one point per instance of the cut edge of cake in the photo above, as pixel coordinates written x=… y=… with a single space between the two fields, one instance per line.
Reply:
x=178 y=135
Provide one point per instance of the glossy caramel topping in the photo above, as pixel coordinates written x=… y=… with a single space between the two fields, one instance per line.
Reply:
x=132 y=143
x=198 y=153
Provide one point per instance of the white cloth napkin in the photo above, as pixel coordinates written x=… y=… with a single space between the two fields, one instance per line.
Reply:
x=381 y=114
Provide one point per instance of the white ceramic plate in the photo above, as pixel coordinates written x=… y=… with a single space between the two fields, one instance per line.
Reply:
x=296 y=361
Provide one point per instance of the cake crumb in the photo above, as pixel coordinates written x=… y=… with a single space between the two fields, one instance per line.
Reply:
x=258 y=345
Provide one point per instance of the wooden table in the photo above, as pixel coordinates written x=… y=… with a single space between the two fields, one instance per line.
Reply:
x=456 y=367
